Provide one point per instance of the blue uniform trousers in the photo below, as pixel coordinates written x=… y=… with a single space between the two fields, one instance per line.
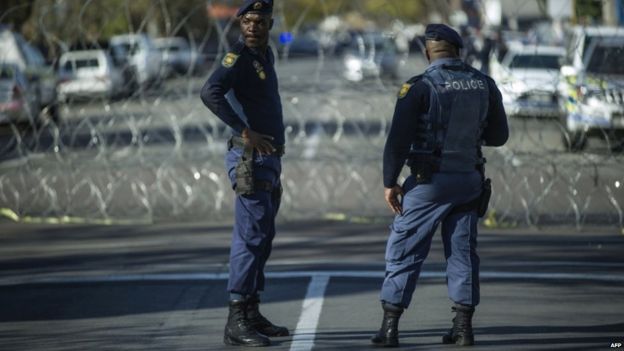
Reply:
x=425 y=206
x=254 y=225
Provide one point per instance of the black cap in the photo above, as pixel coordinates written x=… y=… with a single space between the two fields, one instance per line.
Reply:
x=259 y=6
x=438 y=31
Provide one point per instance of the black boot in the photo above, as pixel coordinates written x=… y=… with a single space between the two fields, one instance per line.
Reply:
x=461 y=333
x=388 y=335
x=259 y=322
x=238 y=330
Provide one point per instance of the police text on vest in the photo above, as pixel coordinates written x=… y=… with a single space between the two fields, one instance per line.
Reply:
x=472 y=84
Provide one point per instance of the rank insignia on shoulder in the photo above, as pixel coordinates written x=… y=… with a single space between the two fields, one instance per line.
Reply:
x=404 y=90
x=229 y=60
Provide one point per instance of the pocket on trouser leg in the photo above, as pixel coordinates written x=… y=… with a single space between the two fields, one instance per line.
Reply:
x=395 y=248
x=253 y=211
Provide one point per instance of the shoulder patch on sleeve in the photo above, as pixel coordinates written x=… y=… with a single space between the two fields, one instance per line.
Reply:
x=404 y=90
x=408 y=85
x=229 y=60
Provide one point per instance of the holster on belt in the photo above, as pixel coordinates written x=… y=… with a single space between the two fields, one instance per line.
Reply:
x=480 y=204
x=244 y=172
x=484 y=199
x=246 y=184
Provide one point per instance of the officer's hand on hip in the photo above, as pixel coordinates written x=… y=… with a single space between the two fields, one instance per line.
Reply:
x=392 y=198
x=258 y=141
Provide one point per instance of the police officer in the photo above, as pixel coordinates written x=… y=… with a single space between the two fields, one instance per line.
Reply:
x=243 y=93
x=441 y=120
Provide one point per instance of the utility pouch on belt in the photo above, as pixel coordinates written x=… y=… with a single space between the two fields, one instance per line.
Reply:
x=244 y=172
x=422 y=168
x=422 y=174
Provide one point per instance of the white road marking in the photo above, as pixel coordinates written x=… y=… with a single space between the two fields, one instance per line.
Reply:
x=305 y=333
x=377 y=274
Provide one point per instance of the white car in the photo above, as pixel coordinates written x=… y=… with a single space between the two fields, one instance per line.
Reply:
x=527 y=78
x=593 y=88
x=18 y=101
x=15 y=50
x=177 y=55
x=139 y=53
x=370 y=55
x=88 y=74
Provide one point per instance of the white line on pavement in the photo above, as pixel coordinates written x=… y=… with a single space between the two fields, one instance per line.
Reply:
x=165 y=277
x=303 y=338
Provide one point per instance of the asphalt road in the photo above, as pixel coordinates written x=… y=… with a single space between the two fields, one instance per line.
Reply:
x=161 y=287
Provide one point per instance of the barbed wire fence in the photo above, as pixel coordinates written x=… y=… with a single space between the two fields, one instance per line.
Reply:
x=156 y=154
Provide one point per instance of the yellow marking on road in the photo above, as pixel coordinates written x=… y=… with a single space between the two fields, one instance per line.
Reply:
x=10 y=214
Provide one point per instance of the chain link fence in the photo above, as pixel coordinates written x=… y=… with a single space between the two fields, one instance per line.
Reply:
x=149 y=151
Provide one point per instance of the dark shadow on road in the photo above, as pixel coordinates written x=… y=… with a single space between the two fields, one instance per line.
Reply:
x=505 y=336
x=52 y=302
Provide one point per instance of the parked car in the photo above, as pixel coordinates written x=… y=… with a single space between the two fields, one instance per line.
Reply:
x=88 y=74
x=371 y=55
x=528 y=77
x=18 y=102
x=42 y=77
x=592 y=90
x=177 y=55
x=138 y=53
x=302 y=44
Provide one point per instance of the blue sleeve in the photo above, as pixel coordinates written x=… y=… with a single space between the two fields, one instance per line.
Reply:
x=402 y=131
x=213 y=95
x=496 y=132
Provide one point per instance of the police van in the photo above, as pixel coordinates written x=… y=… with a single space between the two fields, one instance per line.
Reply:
x=592 y=88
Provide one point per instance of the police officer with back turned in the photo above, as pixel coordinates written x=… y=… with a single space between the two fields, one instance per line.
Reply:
x=441 y=120
x=243 y=93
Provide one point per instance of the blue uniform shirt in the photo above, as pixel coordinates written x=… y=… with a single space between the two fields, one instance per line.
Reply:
x=414 y=102
x=243 y=92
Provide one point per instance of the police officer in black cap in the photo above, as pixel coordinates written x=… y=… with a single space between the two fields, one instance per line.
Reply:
x=441 y=120
x=243 y=93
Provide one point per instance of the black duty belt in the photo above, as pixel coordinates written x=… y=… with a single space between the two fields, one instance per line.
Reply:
x=235 y=141
x=435 y=168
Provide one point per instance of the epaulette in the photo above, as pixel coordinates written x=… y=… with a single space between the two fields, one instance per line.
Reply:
x=415 y=79
x=405 y=88
x=238 y=47
x=231 y=57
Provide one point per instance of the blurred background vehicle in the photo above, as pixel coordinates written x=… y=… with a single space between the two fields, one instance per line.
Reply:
x=18 y=101
x=370 y=55
x=528 y=77
x=593 y=86
x=177 y=56
x=88 y=74
x=305 y=43
x=136 y=52
x=42 y=77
